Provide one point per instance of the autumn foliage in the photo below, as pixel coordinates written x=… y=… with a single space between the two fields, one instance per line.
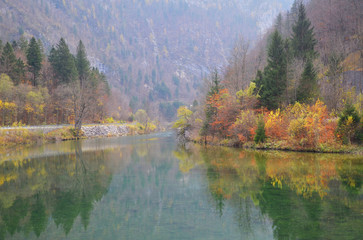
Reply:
x=298 y=126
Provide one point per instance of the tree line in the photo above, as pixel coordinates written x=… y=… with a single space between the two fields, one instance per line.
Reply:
x=283 y=104
x=60 y=87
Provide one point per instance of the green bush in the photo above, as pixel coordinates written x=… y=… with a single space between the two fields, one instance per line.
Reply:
x=260 y=133
x=348 y=125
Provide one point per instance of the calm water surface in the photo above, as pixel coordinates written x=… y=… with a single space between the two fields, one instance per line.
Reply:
x=147 y=187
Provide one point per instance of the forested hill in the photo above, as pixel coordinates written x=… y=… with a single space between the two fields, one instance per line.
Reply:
x=152 y=51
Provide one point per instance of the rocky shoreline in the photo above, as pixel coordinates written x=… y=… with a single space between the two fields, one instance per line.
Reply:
x=105 y=130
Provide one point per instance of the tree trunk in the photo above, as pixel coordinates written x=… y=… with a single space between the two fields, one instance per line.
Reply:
x=78 y=126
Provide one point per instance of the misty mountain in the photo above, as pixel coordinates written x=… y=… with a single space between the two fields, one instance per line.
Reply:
x=151 y=50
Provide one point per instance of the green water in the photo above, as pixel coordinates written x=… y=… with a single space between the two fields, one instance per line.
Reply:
x=147 y=187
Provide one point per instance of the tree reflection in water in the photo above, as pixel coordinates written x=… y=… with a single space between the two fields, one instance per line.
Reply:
x=159 y=191
x=58 y=187
x=306 y=196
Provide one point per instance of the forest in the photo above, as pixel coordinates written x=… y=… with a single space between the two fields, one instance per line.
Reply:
x=154 y=53
x=60 y=88
x=299 y=88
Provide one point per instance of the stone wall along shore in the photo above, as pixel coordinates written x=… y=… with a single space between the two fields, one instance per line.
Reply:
x=105 y=130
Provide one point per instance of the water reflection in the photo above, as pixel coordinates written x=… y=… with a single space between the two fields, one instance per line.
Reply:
x=62 y=187
x=148 y=188
x=307 y=196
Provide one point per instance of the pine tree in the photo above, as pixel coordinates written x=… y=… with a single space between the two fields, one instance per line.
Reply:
x=308 y=86
x=258 y=81
x=1 y=46
x=216 y=84
x=63 y=62
x=274 y=79
x=210 y=111
x=294 y=10
x=34 y=59
x=18 y=71
x=23 y=43
x=82 y=63
x=11 y=66
x=303 y=38
x=8 y=59
x=278 y=23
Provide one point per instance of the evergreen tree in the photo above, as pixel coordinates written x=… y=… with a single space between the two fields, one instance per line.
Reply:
x=259 y=82
x=303 y=39
x=278 y=23
x=1 y=46
x=11 y=66
x=8 y=59
x=348 y=124
x=210 y=111
x=18 y=71
x=274 y=79
x=260 y=132
x=14 y=44
x=308 y=87
x=23 y=43
x=34 y=59
x=294 y=10
x=63 y=62
x=82 y=63
x=216 y=84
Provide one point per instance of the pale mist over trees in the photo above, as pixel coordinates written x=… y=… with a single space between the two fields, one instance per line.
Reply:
x=154 y=53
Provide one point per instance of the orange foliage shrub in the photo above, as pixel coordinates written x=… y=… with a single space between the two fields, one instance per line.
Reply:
x=227 y=110
x=310 y=126
x=276 y=125
x=245 y=126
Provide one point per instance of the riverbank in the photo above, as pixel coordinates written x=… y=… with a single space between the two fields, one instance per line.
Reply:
x=30 y=136
x=271 y=145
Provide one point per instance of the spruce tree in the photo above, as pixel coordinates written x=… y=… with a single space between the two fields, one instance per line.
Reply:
x=8 y=59
x=308 y=86
x=278 y=23
x=63 y=62
x=13 y=67
x=303 y=38
x=259 y=82
x=23 y=43
x=274 y=79
x=210 y=111
x=34 y=59
x=1 y=46
x=82 y=63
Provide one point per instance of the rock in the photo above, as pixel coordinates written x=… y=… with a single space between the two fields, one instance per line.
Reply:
x=105 y=130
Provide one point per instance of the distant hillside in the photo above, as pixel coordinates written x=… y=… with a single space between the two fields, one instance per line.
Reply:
x=152 y=51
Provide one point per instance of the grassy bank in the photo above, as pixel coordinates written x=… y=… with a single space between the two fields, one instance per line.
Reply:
x=283 y=146
x=24 y=137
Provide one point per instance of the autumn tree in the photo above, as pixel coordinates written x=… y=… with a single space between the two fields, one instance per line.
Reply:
x=34 y=59
x=6 y=94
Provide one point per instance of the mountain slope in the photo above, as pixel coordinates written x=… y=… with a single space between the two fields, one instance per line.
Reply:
x=151 y=50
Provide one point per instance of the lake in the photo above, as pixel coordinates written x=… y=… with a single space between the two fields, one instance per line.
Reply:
x=148 y=187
